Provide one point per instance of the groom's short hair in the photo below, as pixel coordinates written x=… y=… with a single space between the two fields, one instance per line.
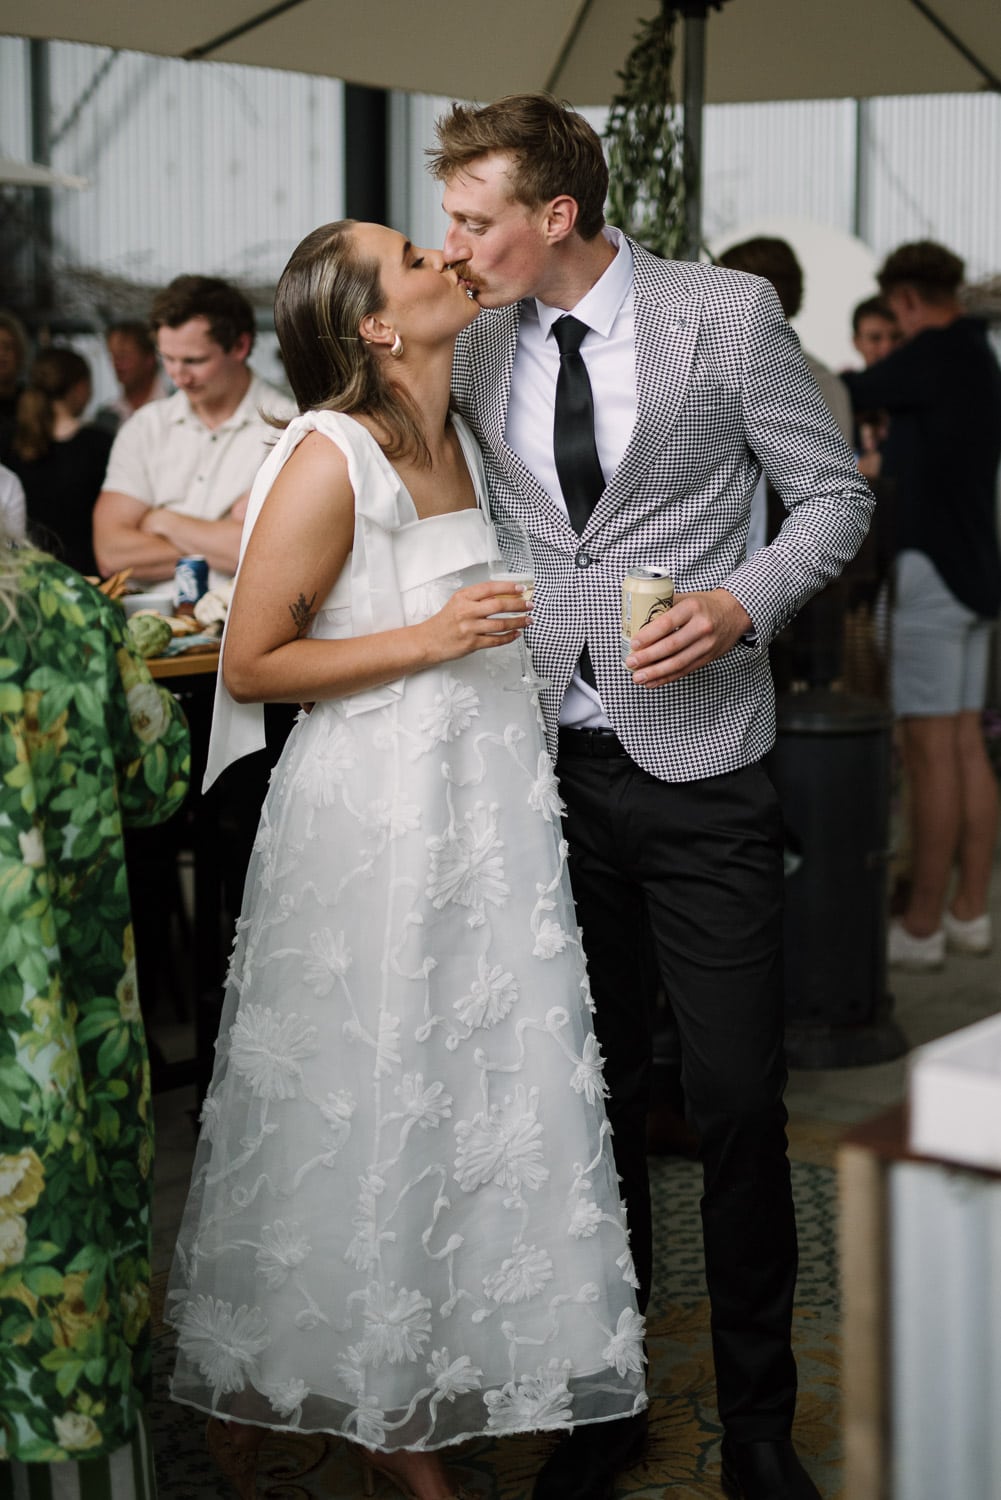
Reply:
x=553 y=150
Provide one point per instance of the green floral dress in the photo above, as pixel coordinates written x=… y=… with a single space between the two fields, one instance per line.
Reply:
x=87 y=742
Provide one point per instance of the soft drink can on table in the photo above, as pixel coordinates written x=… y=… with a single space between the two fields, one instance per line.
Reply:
x=646 y=593
x=191 y=580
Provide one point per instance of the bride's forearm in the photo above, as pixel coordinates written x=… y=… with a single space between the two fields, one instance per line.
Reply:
x=303 y=671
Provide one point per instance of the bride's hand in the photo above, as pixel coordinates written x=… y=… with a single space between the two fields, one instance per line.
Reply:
x=470 y=620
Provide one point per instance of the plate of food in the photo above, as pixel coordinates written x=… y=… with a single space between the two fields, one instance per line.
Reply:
x=155 y=634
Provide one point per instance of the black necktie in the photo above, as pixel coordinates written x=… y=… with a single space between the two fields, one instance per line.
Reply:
x=574 y=449
x=576 y=456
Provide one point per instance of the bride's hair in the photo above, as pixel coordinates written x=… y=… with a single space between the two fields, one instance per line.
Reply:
x=324 y=292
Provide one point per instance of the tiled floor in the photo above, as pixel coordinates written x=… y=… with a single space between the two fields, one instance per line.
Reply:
x=821 y=1102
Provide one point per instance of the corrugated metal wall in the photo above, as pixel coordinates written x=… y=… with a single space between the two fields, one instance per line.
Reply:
x=778 y=159
x=223 y=169
x=204 y=167
x=14 y=131
x=226 y=167
x=236 y=165
x=935 y=173
x=209 y=168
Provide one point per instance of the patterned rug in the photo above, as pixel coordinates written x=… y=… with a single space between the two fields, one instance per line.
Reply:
x=683 y=1454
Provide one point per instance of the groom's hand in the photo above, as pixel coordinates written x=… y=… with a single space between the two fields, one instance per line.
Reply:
x=696 y=630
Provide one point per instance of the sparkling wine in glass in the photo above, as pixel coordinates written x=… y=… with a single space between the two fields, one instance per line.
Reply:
x=513 y=564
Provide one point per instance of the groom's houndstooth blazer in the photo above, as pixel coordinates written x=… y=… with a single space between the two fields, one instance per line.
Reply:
x=722 y=391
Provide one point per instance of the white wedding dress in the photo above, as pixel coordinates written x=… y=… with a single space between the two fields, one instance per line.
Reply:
x=404 y=1223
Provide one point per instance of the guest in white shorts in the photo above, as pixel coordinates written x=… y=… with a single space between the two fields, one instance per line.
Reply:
x=940 y=390
x=941 y=649
x=940 y=655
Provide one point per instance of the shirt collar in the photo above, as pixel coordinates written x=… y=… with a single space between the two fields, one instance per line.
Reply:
x=599 y=307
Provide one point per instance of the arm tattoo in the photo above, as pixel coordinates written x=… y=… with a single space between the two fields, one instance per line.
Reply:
x=302 y=614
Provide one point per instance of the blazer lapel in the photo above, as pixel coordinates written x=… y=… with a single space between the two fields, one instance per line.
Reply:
x=666 y=312
x=495 y=344
x=494 y=339
x=666 y=335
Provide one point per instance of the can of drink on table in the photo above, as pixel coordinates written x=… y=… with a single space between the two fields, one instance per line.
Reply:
x=191 y=581
x=646 y=593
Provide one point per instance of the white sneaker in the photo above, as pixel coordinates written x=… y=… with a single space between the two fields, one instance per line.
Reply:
x=919 y=955
x=973 y=936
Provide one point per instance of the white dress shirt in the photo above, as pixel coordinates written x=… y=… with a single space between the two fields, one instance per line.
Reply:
x=165 y=455
x=608 y=351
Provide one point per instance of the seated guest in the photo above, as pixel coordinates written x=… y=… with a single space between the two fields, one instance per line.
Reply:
x=90 y=743
x=58 y=458
x=133 y=355
x=177 y=483
x=181 y=469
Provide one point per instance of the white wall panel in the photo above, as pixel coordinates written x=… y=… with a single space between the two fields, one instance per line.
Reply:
x=14 y=121
x=194 y=167
x=936 y=174
x=788 y=159
x=219 y=168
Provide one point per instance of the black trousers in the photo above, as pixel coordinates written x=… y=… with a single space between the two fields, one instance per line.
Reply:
x=700 y=865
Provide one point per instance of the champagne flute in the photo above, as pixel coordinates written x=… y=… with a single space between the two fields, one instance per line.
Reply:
x=513 y=564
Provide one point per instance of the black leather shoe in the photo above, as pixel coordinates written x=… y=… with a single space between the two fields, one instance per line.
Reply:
x=585 y=1464
x=765 y=1471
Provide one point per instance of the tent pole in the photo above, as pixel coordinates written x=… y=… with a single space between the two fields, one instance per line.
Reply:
x=694 y=95
x=366 y=133
x=860 y=205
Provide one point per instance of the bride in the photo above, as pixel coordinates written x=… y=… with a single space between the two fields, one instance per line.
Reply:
x=403 y=1225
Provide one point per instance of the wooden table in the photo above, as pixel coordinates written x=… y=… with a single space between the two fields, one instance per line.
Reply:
x=197 y=663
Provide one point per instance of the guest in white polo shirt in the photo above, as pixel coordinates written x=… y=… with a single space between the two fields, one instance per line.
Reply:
x=181 y=469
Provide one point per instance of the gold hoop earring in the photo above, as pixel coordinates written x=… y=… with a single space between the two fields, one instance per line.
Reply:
x=396 y=348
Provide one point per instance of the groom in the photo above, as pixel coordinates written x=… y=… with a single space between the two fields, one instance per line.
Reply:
x=633 y=434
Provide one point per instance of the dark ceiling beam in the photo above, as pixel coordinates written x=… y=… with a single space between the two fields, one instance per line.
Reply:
x=990 y=78
x=198 y=54
x=568 y=46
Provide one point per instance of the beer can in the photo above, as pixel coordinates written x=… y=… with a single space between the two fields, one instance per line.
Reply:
x=646 y=593
x=191 y=580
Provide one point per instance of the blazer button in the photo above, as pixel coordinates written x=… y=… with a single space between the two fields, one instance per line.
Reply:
x=583 y=559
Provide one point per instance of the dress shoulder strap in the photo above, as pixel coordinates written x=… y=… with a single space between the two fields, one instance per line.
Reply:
x=238 y=729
